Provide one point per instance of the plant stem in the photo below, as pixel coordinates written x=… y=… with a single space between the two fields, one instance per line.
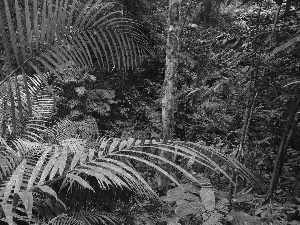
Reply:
x=287 y=135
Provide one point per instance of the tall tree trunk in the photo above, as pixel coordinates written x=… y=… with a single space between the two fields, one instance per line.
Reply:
x=172 y=55
x=169 y=87
x=206 y=13
x=288 y=7
x=287 y=136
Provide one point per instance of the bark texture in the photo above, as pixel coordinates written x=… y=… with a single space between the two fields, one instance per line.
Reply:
x=172 y=55
x=169 y=85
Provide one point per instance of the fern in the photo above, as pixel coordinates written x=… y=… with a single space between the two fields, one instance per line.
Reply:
x=66 y=129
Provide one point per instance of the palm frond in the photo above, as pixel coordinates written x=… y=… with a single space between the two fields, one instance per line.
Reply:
x=91 y=216
x=44 y=37
x=9 y=159
x=69 y=163
x=48 y=208
x=86 y=164
x=41 y=109
x=207 y=156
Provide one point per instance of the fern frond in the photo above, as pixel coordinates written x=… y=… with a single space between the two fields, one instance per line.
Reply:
x=68 y=129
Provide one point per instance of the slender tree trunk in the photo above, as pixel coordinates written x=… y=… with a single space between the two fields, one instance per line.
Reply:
x=287 y=135
x=289 y=138
x=172 y=55
x=3 y=106
x=296 y=191
x=169 y=86
x=288 y=7
x=206 y=13
x=248 y=117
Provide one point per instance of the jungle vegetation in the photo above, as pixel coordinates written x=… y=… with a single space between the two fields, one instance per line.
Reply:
x=149 y=112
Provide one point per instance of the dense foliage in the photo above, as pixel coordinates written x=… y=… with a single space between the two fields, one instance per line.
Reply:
x=81 y=87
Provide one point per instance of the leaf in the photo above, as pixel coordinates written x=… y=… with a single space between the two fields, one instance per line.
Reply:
x=15 y=180
x=91 y=153
x=37 y=168
x=243 y=198
x=130 y=142
x=113 y=145
x=7 y=208
x=109 y=94
x=47 y=189
x=283 y=47
x=27 y=199
x=238 y=43
x=173 y=195
x=189 y=208
x=208 y=198
x=77 y=157
x=123 y=145
x=241 y=218
x=81 y=181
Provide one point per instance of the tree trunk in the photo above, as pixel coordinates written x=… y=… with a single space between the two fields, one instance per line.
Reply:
x=288 y=7
x=296 y=191
x=248 y=118
x=172 y=55
x=287 y=135
x=206 y=13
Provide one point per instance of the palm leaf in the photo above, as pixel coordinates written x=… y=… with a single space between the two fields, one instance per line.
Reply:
x=91 y=216
x=207 y=156
x=204 y=155
x=45 y=37
x=9 y=159
x=73 y=161
x=44 y=163
x=41 y=108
